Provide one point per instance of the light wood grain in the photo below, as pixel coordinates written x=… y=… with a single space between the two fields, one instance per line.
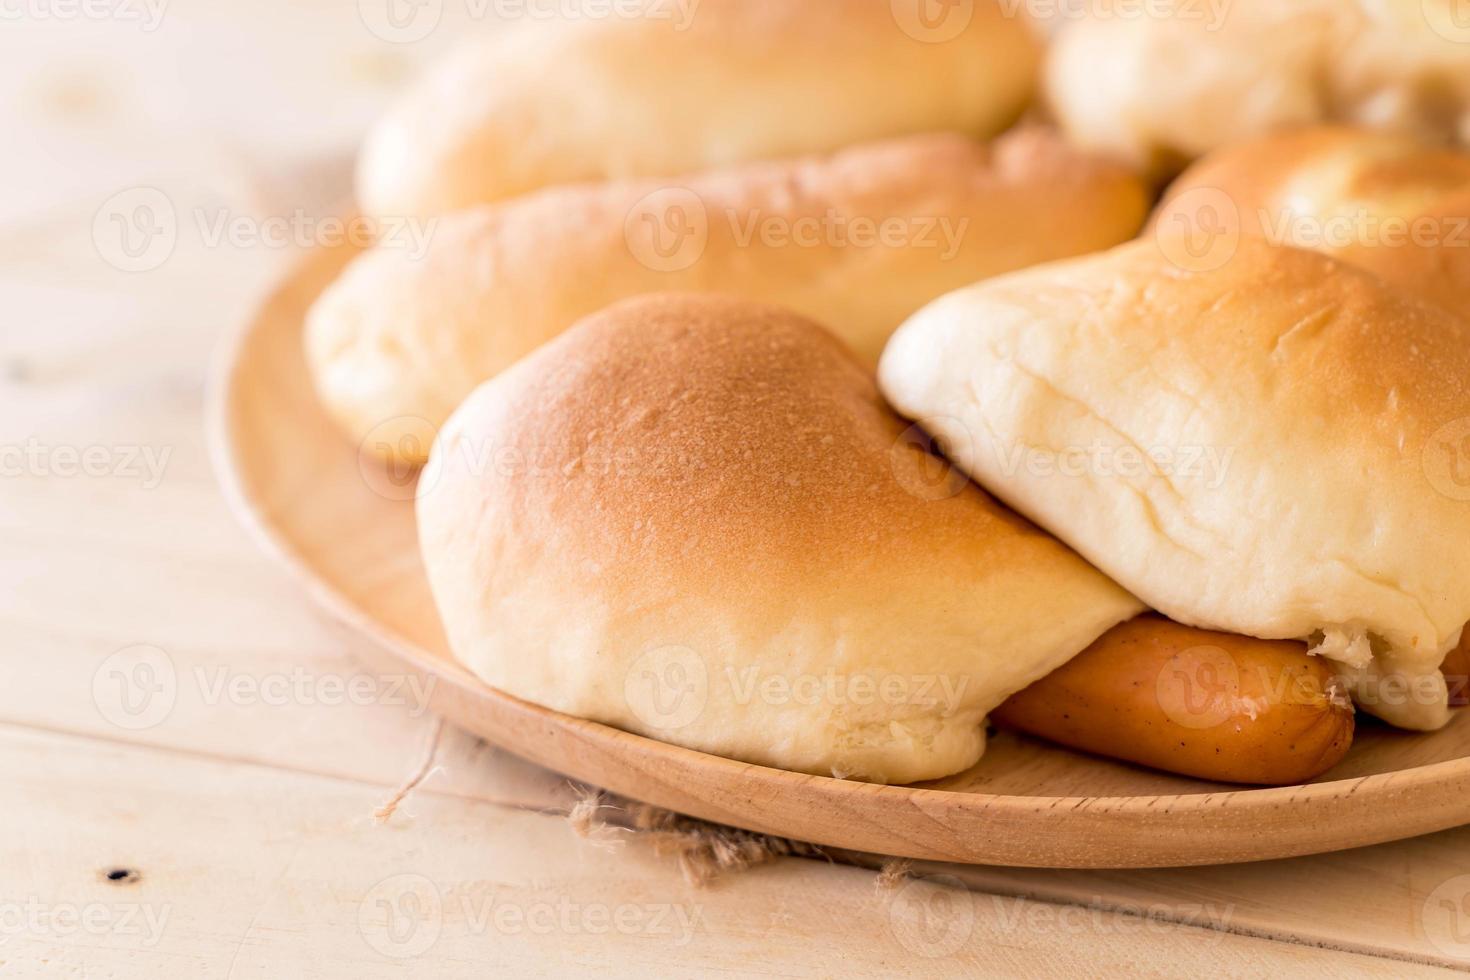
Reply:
x=248 y=871
x=1369 y=899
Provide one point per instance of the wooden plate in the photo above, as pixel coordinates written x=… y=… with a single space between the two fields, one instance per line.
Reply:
x=344 y=525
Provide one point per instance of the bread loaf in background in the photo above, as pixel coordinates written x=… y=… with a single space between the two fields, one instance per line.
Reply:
x=1384 y=202
x=859 y=239
x=1275 y=446
x=688 y=87
x=1160 y=91
x=694 y=517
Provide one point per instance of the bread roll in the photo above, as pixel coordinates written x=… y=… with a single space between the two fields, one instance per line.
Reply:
x=1274 y=447
x=677 y=90
x=860 y=239
x=1162 y=90
x=693 y=517
x=1390 y=204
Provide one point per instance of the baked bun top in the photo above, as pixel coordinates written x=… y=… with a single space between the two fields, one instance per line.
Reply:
x=1389 y=203
x=1162 y=89
x=1278 y=445
x=694 y=517
x=678 y=87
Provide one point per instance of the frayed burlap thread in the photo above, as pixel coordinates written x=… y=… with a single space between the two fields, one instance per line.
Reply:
x=705 y=851
x=421 y=772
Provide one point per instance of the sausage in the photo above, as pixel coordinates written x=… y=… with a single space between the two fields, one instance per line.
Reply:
x=1213 y=705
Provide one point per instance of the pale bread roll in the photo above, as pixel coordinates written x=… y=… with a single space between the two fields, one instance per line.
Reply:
x=694 y=518
x=1276 y=447
x=1162 y=90
x=860 y=239
x=670 y=92
x=1384 y=202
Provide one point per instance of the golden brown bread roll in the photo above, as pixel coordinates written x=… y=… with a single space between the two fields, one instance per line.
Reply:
x=1205 y=704
x=673 y=91
x=694 y=517
x=1390 y=204
x=860 y=239
x=1162 y=90
x=1274 y=446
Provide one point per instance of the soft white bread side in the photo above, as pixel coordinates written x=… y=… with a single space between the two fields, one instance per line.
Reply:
x=1159 y=91
x=860 y=239
x=1274 y=447
x=694 y=518
x=558 y=101
x=1162 y=90
x=1384 y=202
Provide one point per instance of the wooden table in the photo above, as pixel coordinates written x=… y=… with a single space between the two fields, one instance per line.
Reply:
x=214 y=818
